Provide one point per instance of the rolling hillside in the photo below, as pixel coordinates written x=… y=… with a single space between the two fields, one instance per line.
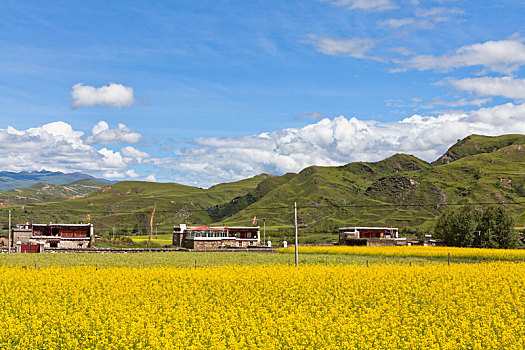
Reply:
x=401 y=190
x=42 y=193
x=11 y=180
x=127 y=205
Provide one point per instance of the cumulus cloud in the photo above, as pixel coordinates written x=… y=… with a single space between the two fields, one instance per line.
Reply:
x=367 y=5
x=132 y=174
x=55 y=147
x=103 y=135
x=58 y=147
x=133 y=155
x=112 y=95
x=504 y=56
x=336 y=142
x=491 y=86
x=353 y=47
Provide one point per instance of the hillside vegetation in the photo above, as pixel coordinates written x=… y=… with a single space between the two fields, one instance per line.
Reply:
x=43 y=192
x=12 y=180
x=401 y=191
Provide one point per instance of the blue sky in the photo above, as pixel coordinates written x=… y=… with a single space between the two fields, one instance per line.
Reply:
x=212 y=91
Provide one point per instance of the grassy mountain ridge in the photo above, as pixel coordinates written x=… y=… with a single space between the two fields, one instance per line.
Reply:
x=12 y=180
x=476 y=144
x=127 y=205
x=401 y=190
x=42 y=192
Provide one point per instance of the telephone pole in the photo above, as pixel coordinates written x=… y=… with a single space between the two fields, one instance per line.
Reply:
x=296 y=245
x=264 y=232
x=9 y=235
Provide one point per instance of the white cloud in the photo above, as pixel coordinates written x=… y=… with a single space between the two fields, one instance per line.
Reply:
x=503 y=56
x=423 y=19
x=150 y=178
x=464 y=102
x=336 y=142
x=112 y=159
x=133 y=155
x=132 y=174
x=112 y=95
x=103 y=135
x=55 y=147
x=367 y=5
x=491 y=86
x=113 y=175
x=353 y=47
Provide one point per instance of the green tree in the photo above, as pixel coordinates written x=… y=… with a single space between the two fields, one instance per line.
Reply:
x=496 y=229
x=468 y=226
x=457 y=227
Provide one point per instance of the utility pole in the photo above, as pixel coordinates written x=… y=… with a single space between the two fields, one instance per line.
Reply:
x=151 y=224
x=296 y=245
x=264 y=232
x=9 y=235
x=156 y=227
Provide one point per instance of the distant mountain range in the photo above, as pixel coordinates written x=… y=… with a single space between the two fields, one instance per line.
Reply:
x=12 y=180
x=41 y=192
x=401 y=191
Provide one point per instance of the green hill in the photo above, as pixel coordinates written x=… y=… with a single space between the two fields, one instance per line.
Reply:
x=476 y=144
x=11 y=180
x=41 y=192
x=127 y=205
x=401 y=191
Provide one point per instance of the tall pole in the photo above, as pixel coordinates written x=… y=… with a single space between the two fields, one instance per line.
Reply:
x=151 y=224
x=296 y=245
x=9 y=235
x=264 y=232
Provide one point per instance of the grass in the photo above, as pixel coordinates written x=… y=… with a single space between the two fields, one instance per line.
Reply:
x=201 y=259
x=456 y=253
x=163 y=239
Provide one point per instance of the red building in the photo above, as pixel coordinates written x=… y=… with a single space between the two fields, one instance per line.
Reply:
x=35 y=237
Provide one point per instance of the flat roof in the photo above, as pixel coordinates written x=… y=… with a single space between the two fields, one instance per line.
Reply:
x=243 y=227
x=368 y=228
x=218 y=228
x=48 y=225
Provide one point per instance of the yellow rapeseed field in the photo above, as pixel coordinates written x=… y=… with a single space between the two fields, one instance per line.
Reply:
x=415 y=251
x=461 y=306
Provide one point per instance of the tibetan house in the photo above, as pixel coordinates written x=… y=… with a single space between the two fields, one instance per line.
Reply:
x=33 y=238
x=208 y=237
x=371 y=236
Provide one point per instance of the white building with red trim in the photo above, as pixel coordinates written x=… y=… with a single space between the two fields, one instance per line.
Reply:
x=213 y=237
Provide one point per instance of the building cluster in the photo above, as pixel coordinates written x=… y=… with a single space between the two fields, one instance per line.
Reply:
x=33 y=238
